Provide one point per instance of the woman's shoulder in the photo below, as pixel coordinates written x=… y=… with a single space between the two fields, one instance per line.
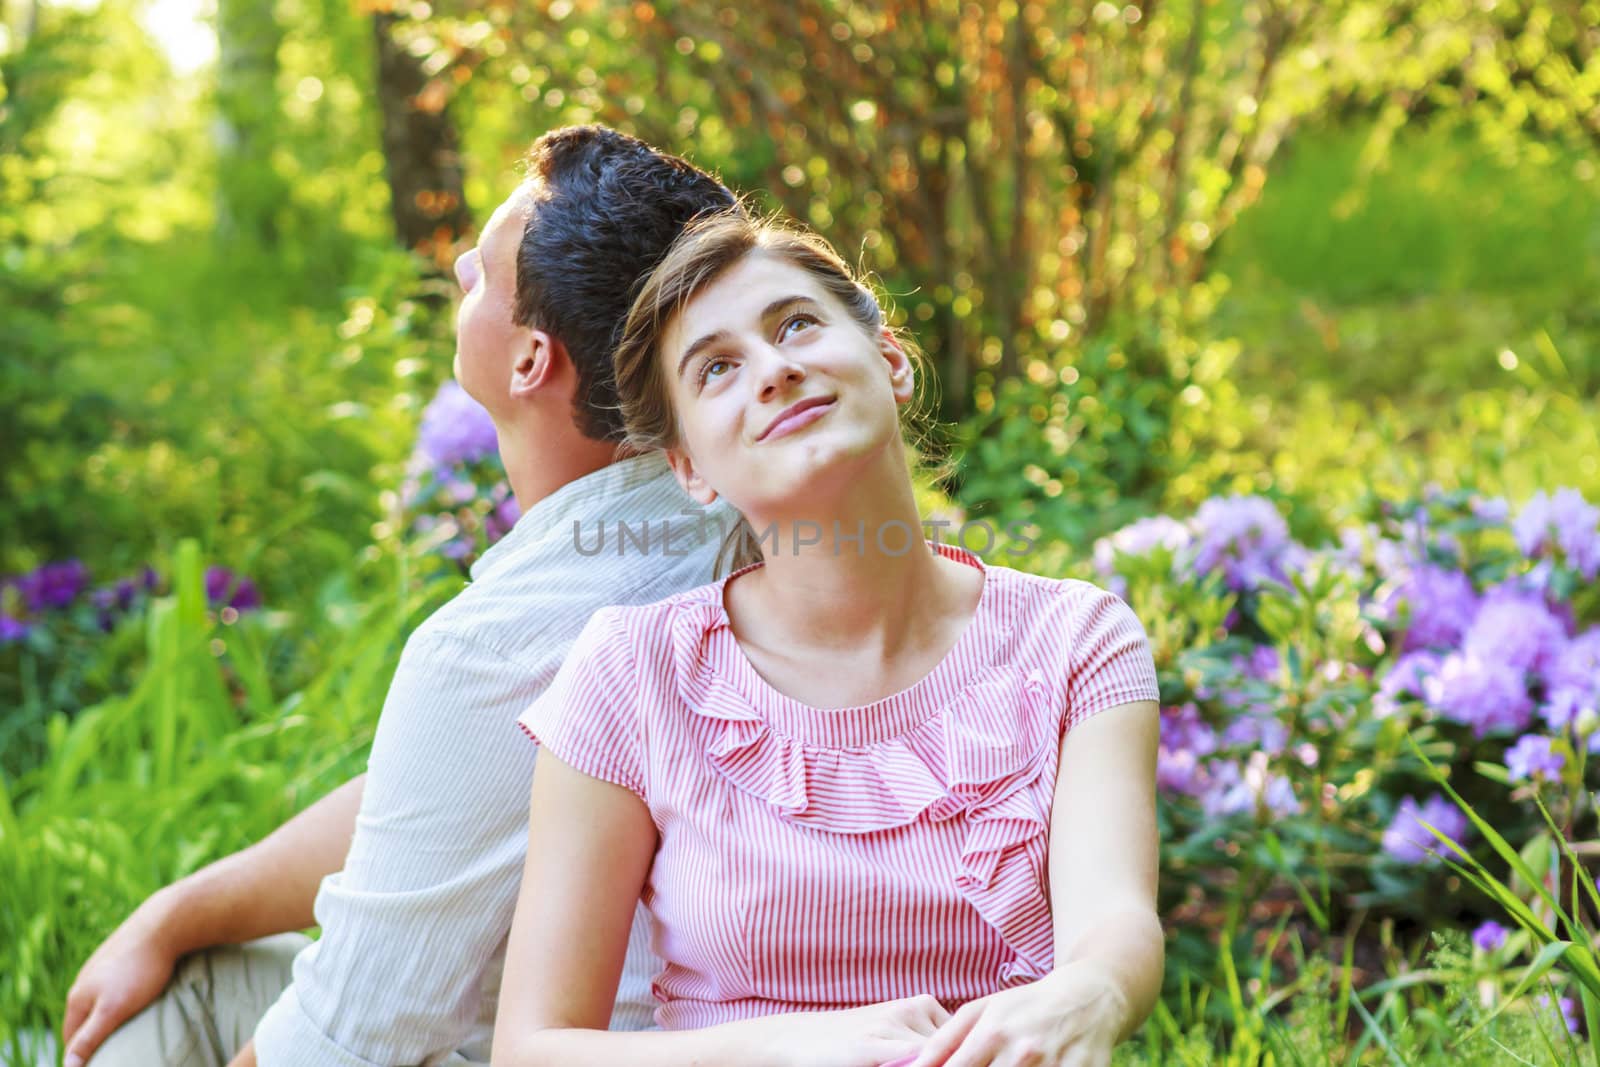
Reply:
x=1052 y=600
x=658 y=636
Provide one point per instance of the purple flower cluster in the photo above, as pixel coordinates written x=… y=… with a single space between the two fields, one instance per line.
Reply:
x=1246 y=539
x=50 y=588
x=1491 y=660
x=54 y=594
x=1409 y=841
x=120 y=598
x=225 y=589
x=1563 y=524
x=455 y=493
x=1572 y=685
x=1438 y=606
x=1241 y=537
x=455 y=429
x=1568 y=1009
x=1251 y=788
x=1185 y=740
x=1223 y=786
x=1489 y=937
x=54 y=585
x=1534 y=757
x=1139 y=539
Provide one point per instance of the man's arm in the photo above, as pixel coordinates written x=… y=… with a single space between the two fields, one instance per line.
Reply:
x=265 y=889
x=412 y=923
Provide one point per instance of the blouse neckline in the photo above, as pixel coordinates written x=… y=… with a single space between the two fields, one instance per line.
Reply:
x=890 y=716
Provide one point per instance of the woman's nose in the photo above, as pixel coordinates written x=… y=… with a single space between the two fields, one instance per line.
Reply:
x=778 y=373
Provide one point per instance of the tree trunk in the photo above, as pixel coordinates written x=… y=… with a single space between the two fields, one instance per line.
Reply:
x=250 y=192
x=420 y=151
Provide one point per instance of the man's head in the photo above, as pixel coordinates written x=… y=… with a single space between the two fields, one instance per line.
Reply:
x=555 y=270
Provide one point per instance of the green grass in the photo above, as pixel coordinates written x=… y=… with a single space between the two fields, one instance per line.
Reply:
x=1361 y=345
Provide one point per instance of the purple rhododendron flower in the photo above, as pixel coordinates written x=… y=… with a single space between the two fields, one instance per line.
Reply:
x=1573 y=682
x=226 y=589
x=1491 y=509
x=455 y=428
x=501 y=518
x=54 y=585
x=1488 y=695
x=12 y=629
x=1235 y=790
x=1490 y=936
x=1179 y=772
x=1532 y=756
x=1246 y=539
x=1417 y=545
x=1140 y=539
x=1183 y=730
x=1440 y=605
x=1408 y=677
x=1566 y=522
x=1261 y=664
x=1517 y=630
x=1577 y=665
x=1409 y=841
x=1257 y=732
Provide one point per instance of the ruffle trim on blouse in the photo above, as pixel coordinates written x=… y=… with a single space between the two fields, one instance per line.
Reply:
x=963 y=759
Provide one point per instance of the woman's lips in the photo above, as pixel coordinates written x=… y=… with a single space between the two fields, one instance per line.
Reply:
x=793 y=420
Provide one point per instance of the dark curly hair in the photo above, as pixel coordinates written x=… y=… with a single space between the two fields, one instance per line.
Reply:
x=606 y=207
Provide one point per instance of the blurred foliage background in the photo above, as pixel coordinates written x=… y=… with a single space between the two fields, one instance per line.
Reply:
x=1158 y=251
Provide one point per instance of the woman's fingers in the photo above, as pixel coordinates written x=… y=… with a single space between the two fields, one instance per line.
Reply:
x=948 y=1038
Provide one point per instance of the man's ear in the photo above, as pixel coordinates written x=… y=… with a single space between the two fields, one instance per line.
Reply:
x=538 y=363
x=902 y=372
x=683 y=469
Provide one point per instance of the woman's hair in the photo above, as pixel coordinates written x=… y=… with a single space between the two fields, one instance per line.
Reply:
x=706 y=249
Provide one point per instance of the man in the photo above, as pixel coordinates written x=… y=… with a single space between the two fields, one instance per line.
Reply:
x=412 y=869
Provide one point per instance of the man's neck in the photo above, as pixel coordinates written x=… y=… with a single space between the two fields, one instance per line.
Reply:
x=537 y=467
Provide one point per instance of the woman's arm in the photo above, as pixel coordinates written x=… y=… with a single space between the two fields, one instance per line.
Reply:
x=590 y=846
x=1108 y=941
x=1104 y=853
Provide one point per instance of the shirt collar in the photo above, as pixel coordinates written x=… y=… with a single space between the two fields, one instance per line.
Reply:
x=589 y=497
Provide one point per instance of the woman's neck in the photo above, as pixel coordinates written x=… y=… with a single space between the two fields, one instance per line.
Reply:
x=855 y=574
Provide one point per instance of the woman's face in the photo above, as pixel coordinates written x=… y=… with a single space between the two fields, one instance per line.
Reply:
x=777 y=390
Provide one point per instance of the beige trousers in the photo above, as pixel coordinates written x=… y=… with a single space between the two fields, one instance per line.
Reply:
x=209 y=1010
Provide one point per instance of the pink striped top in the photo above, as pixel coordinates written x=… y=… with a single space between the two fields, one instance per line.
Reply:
x=812 y=859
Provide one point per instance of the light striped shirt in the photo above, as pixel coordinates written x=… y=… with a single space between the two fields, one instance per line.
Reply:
x=812 y=859
x=414 y=928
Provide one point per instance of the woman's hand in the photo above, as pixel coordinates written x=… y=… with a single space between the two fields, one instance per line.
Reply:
x=855 y=1037
x=1072 y=1018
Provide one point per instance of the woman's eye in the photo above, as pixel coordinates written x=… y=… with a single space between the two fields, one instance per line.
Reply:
x=708 y=370
x=797 y=320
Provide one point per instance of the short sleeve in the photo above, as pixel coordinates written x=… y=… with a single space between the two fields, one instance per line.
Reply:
x=1111 y=662
x=589 y=716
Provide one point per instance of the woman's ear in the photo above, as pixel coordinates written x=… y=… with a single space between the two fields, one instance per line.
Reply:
x=683 y=469
x=902 y=372
x=538 y=363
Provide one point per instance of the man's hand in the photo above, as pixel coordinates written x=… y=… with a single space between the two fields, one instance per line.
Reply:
x=127 y=972
x=268 y=888
x=246 y=1056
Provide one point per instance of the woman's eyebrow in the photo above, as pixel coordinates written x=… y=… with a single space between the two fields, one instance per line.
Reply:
x=771 y=311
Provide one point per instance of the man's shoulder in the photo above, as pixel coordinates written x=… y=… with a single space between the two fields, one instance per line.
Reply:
x=536 y=607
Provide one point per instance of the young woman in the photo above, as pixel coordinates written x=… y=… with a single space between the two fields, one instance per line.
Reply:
x=862 y=784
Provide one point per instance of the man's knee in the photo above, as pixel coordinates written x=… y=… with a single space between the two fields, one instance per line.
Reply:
x=209 y=1009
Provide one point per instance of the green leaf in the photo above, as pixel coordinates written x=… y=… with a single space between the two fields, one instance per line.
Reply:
x=1547 y=958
